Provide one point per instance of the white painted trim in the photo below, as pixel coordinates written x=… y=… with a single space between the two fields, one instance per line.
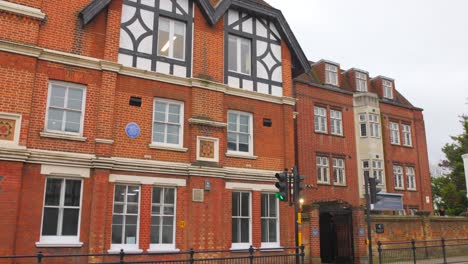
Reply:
x=237 y=155
x=216 y=148
x=98 y=64
x=64 y=171
x=64 y=241
x=250 y=187
x=59 y=244
x=67 y=86
x=120 y=178
x=206 y=122
x=63 y=136
x=167 y=147
x=104 y=141
x=166 y=113
x=21 y=10
x=16 y=136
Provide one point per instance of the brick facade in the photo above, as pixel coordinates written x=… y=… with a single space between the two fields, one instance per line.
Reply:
x=35 y=52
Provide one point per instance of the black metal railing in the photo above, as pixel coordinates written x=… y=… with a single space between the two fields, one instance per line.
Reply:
x=250 y=256
x=424 y=251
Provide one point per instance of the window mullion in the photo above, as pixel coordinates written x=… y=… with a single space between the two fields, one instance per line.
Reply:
x=171 y=38
x=61 y=205
x=65 y=106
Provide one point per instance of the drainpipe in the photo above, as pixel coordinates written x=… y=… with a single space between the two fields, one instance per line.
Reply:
x=465 y=160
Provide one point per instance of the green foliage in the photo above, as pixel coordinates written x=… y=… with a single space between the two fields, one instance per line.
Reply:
x=449 y=191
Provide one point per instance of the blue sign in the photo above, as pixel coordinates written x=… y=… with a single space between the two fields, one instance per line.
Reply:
x=315 y=232
x=362 y=232
x=132 y=130
x=389 y=202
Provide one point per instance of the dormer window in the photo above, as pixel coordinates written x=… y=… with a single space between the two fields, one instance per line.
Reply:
x=331 y=74
x=387 y=89
x=361 y=82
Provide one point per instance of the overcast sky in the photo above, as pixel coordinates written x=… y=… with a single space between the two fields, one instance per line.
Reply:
x=422 y=44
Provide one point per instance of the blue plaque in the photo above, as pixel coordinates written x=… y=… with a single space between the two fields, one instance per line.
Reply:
x=315 y=232
x=132 y=130
x=362 y=232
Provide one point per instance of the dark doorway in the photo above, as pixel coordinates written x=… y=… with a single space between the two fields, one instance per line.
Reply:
x=336 y=233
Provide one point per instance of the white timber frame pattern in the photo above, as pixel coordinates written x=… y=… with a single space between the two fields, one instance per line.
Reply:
x=266 y=74
x=140 y=35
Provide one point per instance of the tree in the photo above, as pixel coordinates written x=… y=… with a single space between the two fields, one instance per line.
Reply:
x=449 y=190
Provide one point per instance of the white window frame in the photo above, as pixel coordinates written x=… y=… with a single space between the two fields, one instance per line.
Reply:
x=237 y=132
x=154 y=247
x=128 y=248
x=277 y=243
x=59 y=240
x=398 y=177
x=378 y=171
x=339 y=169
x=363 y=123
x=331 y=74
x=374 y=125
x=320 y=119
x=361 y=82
x=166 y=123
x=246 y=245
x=406 y=130
x=410 y=178
x=172 y=37
x=336 y=121
x=387 y=89
x=239 y=55
x=323 y=169
x=83 y=105
x=394 y=133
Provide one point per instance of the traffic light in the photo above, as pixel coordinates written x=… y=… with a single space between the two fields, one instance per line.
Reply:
x=282 y=185
x=297 y=183
x=374 y=190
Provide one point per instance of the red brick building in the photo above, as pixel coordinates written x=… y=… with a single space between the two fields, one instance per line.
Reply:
x=144 y=125
x=158 y=125
x=349 y=124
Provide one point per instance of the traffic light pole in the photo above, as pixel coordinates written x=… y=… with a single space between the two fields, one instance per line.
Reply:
x=369 y=227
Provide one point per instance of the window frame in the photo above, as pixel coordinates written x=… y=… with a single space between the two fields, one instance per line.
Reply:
x=394 y=133
x=277 y=218
x=407 y=140
x=336 y=122
x=410 y=177
x=251 y=134
x=387 y=89
x=240 y=245
x=68 y=85
x=331 y=74
x=60 y=240
x=320 y=120
x=363 y=122
x=127 y=247
x=239 y=54
x=361 y=82
x=166 y=123
x=164 y=246
x=172 y=22
x=324 y=169
x=378 y=170
x=374 y=125
x=339 y=168
x=398 y=177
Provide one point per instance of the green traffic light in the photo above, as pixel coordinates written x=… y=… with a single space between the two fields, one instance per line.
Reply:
x=279 y=196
